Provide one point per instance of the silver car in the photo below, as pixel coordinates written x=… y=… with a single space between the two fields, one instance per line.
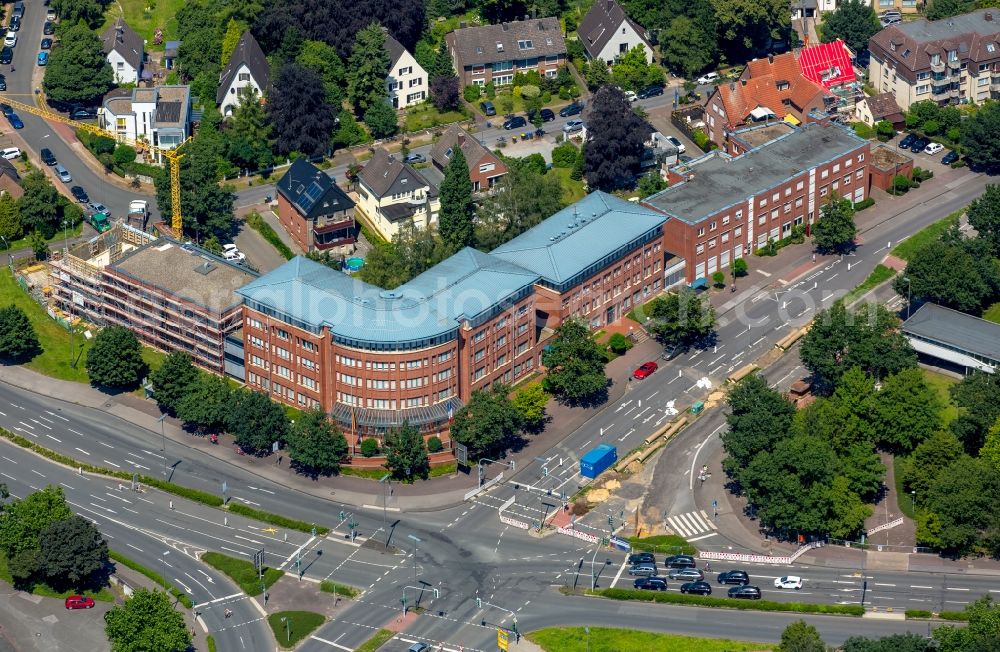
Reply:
x=686 y=574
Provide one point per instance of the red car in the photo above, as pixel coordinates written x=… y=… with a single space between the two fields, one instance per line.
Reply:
x=79 y=602
x=645 y=370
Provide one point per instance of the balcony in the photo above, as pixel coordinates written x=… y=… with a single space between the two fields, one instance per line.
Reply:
x=341 y=222
x=937 y=67
x=955 y=64
x=937 y=81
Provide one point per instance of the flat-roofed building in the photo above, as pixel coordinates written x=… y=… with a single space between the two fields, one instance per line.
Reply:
x=959 y=340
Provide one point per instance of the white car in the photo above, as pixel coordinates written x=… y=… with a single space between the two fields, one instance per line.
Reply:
x=230 y=247
x=788 y=582
x=933 y=148
x=631 y=96
x=708 y=78
x=10 y=40
x=50 y=15
x=678 y=144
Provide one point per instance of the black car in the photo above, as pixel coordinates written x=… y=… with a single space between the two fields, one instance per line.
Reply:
x=548 y=115
x=48 y=29
x=60 y=106
x=6 y=54
x=6 y=109
x=83 y=113
x=734 y=577
x=649 y=91
x=48 y=158
x=80 y=194
x=15 y=24
x=516 y=122
x=919 y=145
x=950 y=157
x=3 y=83
x=641 y=558
x=701 y=588
x=745 y=592
x=46 y=44
x=908 y=140
x=650 y=584
x=488 y=108
x=571 y=109
x=679 y=561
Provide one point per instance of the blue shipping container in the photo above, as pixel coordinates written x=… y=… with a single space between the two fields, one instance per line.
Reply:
x=597 y=460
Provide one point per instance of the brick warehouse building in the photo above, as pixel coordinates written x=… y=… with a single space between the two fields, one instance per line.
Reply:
x=723 y=208
x=374 y=358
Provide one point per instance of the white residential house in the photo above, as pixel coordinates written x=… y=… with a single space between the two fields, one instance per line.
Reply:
x=247 y=68
x=407 y=81
x=606 y=32
x=158 y=116
x=124 y=50
x=391 y=193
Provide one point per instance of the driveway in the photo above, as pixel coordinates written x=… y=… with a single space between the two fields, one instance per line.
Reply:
x=259 y=252
x=30 y=623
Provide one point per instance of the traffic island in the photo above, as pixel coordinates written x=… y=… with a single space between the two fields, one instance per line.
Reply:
x=290 y=627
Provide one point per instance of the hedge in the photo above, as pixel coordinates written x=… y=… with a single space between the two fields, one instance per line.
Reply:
x=211 y=644
x=328 y=586
x=151 y=574
x=917 y=613
x=277 y=519
x=242 y=572
x=731 y=603
x=257 y=223
x=863 y=204
x=954 y=615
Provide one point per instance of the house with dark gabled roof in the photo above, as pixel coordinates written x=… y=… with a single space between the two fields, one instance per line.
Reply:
x=315 y=212
x=125 y=51
x=247 y=68
x=606 y=32
x=407 y=81
x=493 y=53
x=485 y=167
x=391 y=193
x=10 y=180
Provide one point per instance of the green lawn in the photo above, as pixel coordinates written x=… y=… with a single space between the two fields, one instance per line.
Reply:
x=290 y=627
x=903 y=500
x=572 y=190
x=144 y=16
x=942 y=383
x=879 y=275
x=993 y=313
x=380 y=638
x=57 y=240
x=329 y=586
x=425 y=116
x=603 y=639
x=242 y=572
x=907 y=248
x=668 y=543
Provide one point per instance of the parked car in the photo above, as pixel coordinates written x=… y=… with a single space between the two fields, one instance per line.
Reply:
x=516 y=122
x=571 y=109
x=10 y=40
x=650 y=91
x=548 y=115
x=98 y=207
x=6 y=54
x=83 y=113
x=645 y=569
x=631 y=96
x=572 y=126
x=63 y=173
x=933 y=148
x=676 y=143
x=43 y=58
x=788 y=582
x=671 y=351
x=48 y=158
x=418 y=647
x=48 y=28
x=415 y=158
x=3 y=83
x=487 y=107
x=641 y=557
x=947 y=159
x=15 y=121
x=708 y=78
x=645 y=370
x=80 y=194
x=10 y=153
x=50 y=15
x=734 y=577
x=15 y=24
x=46 y=44
x=745 y=592
x=79 y=602
x=908 y=140
x=679 y=561
x=699 y=587
x=6 y=109
x=919 y=145
x=650 y=584
x=690 y=574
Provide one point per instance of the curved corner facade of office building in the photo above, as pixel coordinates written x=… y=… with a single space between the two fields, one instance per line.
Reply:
x=374 y=358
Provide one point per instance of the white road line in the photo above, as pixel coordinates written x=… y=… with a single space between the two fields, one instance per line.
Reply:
x=58 y=416
x=956 y=588
x=331 y=643
x=619 y=574
x=711 y=522
x=104 y=444
x=228 y=597
x=75 y=432
x=917 y=586
x=112 y=464
x=51 y=437
x=83 y=451
x=704 y=536
x=694 y=458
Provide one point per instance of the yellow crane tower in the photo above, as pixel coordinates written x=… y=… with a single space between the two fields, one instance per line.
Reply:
x=173 y=156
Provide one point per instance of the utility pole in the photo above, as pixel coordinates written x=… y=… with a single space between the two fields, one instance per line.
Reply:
x=163 y=443
x=384 y=481
x=416 y=540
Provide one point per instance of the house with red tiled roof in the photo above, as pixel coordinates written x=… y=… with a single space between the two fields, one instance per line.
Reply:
x=769 y=89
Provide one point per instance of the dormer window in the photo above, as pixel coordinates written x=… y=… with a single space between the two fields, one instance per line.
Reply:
x=906 y=53
x=935 y=59
x=990 y=47
x=448 y=153
x=783 y=85
x=952 y=55
x=525 y=45
x=479 y=50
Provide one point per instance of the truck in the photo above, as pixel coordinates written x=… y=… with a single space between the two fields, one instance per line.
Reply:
x=597 y=460
x=138 y=212
x=100 y=222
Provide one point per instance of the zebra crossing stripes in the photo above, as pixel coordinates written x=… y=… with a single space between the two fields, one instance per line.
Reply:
x=690 y=524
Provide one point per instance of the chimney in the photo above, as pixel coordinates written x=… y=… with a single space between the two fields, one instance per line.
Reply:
x=743 y=82
x=732 y=86
x=770 y=58
x=988 y=16
x=461 y=140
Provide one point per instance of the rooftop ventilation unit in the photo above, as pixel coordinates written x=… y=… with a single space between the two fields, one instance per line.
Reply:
x=204 y=268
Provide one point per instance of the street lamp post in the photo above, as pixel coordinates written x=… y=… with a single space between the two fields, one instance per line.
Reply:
x=416 y=540
x=384 y=481
x=163 y=444
x=913 y=500
x=288 y=629
x=906 y=279
x=593 y=573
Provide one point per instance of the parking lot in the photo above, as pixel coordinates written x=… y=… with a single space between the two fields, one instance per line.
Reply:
x=35 y=624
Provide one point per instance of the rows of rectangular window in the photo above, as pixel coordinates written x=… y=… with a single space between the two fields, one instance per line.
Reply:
x=376 y=383
x=390 y=403
x=346 y=361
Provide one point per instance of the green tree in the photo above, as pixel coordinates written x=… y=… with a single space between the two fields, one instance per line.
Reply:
x=990 y=452
x=146 y=621
x=349 y=132
x=840 y=339
x=257 y=422
x=367 y=69
x=10 y=218
x=38 y=245
x=234 y=30
x=955 y=273
x=173 y=380
x=759 y=417
x=954 y=516
x=906 y=411
x=18 y=339
x=405 y=453
x=315 y=445
x=369 y=448
x=981 y=136
x=885 y=130
x=978 y=397
x=77 y=70
x=206 y=403
x=682 y=318
x=632 y=72
x=746 y=25
x=248 y=134
x=488 y=424
x=835 y=231
x=984 y=216
x=848 y=511
x=980 y=634
x=73 y=555
x=521 y=200
x=23 y=521
x=939 y=9
x=575 y=366
x=922 y=467
x=39 y=205
x=846 y=417
x=71 y=12
x=530 y=402
x=908 y=642
x=597 y=74
x=863 y=470
x=854 y=22
x=650 y=184
x=687 y=47
x=801 y=636
x=322 y=59
x=455 y=219
x=115 y=359
x=303 y=121
x=381 y=120
x=739 y=267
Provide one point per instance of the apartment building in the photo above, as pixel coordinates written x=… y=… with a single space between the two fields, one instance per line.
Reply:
x=951 y=61
x=722 y=207
x=494 y=53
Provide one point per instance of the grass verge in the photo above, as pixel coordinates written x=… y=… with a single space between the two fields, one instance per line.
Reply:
x=729 y=603
x=381 y=637
x=153 y=575
x=426 y=116
x=444 y=469
x=993 y=313
x=290 y=627
x=328 y=586
x=46 y=591
x=242 y=572
x=575 y=639
x=277 y=519
x=918 y=613
x=211 y=644
x=879 y=275
x=258 y=224
x=907 y=248
x=667 y=543
x=902 y=497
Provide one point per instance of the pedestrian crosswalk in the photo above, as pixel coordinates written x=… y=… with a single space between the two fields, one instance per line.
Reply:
x=691 y=524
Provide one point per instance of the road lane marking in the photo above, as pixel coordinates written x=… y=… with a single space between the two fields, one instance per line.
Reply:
x=112 y=464
x=704 y=536
x=917 y=586
x=75 y=432
x=83 y=451
x=956 y=588
x=694 y=458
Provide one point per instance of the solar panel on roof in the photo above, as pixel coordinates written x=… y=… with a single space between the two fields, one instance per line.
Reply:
x=308 y=199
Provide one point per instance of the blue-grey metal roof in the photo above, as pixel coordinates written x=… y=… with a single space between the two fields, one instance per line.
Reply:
x=956 y=330
x=579 y=236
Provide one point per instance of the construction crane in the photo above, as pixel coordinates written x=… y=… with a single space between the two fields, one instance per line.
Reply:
x=173 y=156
